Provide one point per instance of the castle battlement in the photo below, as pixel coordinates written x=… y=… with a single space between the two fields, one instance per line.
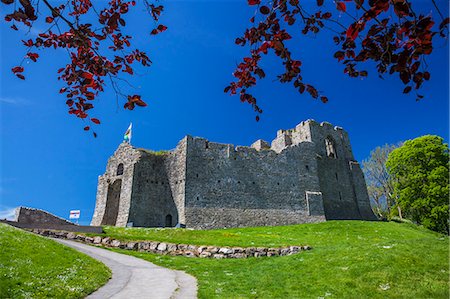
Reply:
x=306 y=174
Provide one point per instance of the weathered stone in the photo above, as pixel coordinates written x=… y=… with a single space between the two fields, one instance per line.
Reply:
x=261 y=249
x=202 y=184
x=192 y=248
x=97 y=240
x=70 y=236
x=238 y=250
x=218 y=256
x=183 y=247
x=205 y=254
x=294 y=249
x=172 y=247
x=162 y=247
x=80 y=238
x=212 y=249
x=115 y=243
x=200 y=249
x=143 y=246
x=250 y=250
x=132 y=246
x=226 y=250
x=284 y=251
x=106 y=240
x=89 y=239
x=306 y=247
x=153 y=246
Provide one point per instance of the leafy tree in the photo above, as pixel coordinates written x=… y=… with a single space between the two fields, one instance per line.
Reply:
x=93 y=33
x=379 y=182
x=420 y=172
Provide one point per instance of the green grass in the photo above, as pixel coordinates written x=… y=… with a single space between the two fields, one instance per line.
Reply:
x=349 y=259
x=35 y=267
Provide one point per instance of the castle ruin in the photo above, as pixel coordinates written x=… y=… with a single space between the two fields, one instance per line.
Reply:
x=307 y=174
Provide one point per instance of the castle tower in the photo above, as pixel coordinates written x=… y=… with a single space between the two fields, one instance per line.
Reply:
x=341 y=180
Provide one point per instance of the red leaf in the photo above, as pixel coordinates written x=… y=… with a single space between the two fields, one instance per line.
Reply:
x=264 y=10
x=254 y=2
x=352 y=32
x=20 y=76
x=257 y=118
x=324 y=99
x=407 y=89
x=33 y=56
x=49 y=19
x=87 y=75
x=95 y=134
x=95 y=121
x=341 y=6
x=14 y=27
x=319 y=2
x=162 y=28
x=136 y=99
x=17 y=69
x=86 y=128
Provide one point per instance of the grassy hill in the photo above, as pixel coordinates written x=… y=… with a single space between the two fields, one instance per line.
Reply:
x=350 y=259
x=35 y=267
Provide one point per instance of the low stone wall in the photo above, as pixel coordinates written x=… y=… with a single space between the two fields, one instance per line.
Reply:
x=25 y=215
x=165 y=248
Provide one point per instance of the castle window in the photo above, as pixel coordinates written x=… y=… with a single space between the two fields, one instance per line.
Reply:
x=340 y=195
x=218 y=181
x=336 y=176
x=197 y=175
x=168 y=220
x=198 y=198
x=119 y=169
x=206 y=144
x=307 y=167
x=331 y=149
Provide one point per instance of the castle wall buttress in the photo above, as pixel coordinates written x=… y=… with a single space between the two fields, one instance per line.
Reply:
x=120 y=167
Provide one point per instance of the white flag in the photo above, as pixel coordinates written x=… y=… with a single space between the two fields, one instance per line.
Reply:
x=127 y=136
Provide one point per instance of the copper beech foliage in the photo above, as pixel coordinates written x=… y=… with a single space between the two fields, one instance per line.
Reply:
x=97 y=52
x=387 y=32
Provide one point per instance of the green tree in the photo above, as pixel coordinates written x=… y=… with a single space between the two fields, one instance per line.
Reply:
x=379 y=182
x=420 y=172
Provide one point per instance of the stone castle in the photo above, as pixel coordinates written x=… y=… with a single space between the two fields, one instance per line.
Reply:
x=307 y=174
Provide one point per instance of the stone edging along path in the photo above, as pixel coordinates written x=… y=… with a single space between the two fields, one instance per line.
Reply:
x=165 y=248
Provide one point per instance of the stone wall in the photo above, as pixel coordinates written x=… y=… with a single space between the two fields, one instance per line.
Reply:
x=164 y=248
x=24 y=215
x=237 y=187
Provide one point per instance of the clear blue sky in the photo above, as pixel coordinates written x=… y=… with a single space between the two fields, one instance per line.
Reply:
x=49 y=162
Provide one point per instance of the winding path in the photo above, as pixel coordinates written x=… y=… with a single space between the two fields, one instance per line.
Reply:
x=137 y=278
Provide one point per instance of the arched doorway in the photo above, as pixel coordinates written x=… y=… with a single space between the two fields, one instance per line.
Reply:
x=168 y=222
x=112 y=203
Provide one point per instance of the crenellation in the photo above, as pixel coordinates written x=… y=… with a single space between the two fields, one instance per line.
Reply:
x=301 y=177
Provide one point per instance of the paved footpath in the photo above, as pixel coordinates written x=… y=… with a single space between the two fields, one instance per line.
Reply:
x=137 y=278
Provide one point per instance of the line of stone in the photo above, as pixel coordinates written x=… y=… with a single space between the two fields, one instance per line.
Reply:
x=165 y=248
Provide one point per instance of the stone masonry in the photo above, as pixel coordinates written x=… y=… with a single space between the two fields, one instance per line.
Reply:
x=307 y=174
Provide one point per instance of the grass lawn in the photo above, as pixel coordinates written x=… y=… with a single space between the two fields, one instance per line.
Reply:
x=349 y=259
x=35 y=267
